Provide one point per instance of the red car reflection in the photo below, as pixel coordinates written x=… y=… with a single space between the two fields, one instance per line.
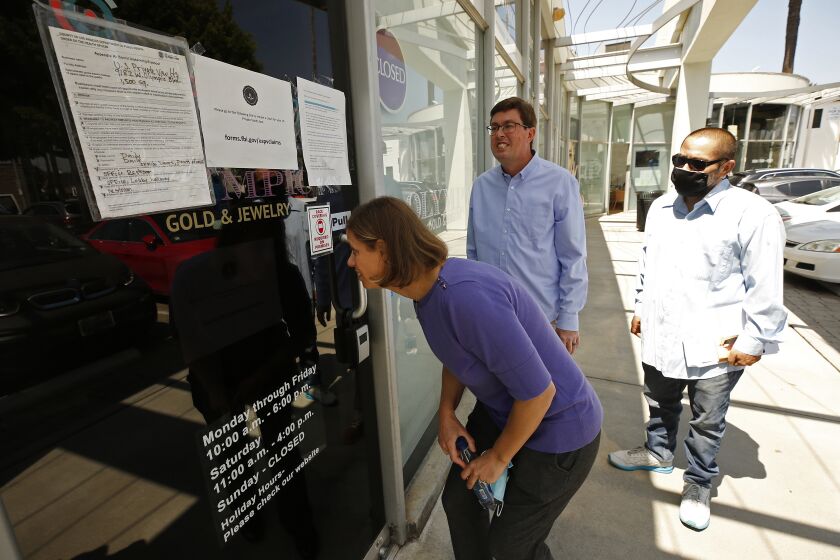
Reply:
x=148 y=247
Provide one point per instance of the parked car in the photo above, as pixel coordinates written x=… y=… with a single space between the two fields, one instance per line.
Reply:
x=61 y=302
x=67 y=214
x=147 y=246
x=781 y=189
x=821 y=205
x=751 y=175
x=813 y=250
x=8 y=205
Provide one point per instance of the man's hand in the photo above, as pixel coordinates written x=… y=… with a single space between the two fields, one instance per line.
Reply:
x=488 y=467
x=324 y=314
x=449 y=429
x=740 y=359
x=636 y=326
x=571 y=340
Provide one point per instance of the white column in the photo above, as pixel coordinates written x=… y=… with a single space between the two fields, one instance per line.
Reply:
x=692 y=101
x=523 y=11
x=488 y=88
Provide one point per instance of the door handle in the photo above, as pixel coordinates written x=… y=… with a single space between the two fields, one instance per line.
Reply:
x=358 y=312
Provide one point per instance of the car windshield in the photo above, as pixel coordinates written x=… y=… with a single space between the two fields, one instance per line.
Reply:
x=819 y=198
x=29 y=243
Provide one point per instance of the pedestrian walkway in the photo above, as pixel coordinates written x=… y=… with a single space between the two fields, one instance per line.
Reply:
x=779 y=494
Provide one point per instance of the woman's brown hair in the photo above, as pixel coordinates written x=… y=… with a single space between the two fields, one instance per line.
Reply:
x=410 y=248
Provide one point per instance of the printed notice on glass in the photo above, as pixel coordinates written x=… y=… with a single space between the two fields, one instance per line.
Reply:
x=136 y=121
x=260 y=454
x=323 y=133
x=247 y=118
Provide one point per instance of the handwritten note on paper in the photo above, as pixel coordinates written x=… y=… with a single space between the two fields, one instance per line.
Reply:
x=137 y=125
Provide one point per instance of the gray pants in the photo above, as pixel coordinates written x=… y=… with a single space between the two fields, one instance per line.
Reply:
x=539 y=488
x=709 y=400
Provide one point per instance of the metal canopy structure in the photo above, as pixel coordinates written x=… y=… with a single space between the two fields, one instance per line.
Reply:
x=632 y=75
x=798 y=96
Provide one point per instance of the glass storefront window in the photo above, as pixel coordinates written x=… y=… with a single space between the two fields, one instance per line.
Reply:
x=650 y=164
x=593 y=168
x=650 y=158
x=430 y=162
x=125 y=420
x=654 y=123
x=506 y=19
x=504 y=80
x=763 y=154
x=735 y=119
x=714 y=118
x=618 y=156
x=767 y=122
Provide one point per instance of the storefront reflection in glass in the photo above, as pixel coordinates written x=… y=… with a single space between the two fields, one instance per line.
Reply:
x=429 y=159
x=136 y=444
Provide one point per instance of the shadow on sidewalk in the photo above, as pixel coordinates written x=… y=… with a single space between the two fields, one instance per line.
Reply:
x=816 y=306
x=613 y=515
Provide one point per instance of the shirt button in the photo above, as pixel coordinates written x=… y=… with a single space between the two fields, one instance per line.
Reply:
x=507 y=209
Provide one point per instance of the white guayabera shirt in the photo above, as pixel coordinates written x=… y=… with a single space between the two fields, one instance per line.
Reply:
x=707 y=275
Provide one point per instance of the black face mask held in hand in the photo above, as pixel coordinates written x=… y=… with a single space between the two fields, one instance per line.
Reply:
x=690 y=183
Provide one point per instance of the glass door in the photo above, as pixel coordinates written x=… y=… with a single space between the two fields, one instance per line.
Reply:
x=172 y=384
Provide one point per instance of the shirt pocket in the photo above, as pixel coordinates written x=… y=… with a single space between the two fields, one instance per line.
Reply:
x=539 y=222
x=723 y=267
x=700 y=352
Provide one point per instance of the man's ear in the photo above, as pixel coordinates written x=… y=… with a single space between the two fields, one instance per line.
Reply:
x=728 y=167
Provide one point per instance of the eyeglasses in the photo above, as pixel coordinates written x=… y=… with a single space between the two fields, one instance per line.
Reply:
x=507 y=128
x=693 y=163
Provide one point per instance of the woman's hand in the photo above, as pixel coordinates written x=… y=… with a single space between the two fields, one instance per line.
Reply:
x=449 y=429
x=488 y=467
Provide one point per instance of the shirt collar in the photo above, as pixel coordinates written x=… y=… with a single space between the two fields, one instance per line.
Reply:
x=716 y=194
x=529 y=168
x=712 y=199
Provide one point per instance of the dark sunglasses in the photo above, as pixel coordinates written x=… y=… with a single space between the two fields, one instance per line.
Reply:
x=693 y=163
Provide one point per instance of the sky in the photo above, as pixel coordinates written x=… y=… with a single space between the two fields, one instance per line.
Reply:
x=758 y=43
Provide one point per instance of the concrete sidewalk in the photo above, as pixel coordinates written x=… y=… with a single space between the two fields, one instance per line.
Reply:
x=779 y=492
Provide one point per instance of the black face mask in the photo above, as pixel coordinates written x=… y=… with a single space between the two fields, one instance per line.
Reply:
x=690 y=183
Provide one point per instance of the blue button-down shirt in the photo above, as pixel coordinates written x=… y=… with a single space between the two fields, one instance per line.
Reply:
x=707 y=275
x=531 y=226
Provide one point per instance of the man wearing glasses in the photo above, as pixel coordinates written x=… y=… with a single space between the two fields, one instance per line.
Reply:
x=708 y=304
x=526 y=218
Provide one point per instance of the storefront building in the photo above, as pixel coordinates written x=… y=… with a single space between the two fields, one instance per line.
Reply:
x=110 y=418
x=140 y=439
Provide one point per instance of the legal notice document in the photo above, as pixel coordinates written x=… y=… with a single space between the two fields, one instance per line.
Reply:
x=323 y=133
x=137 y=125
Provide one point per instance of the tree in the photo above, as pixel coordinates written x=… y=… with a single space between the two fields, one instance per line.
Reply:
x=791 y=35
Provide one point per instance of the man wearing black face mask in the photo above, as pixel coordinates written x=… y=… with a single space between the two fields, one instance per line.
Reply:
x=708 y=304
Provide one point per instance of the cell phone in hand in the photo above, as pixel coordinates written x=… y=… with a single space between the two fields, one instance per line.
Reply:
x=726 y=345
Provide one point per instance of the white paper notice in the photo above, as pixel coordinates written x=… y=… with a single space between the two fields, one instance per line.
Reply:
x=247 y=118
x=323 y=133
x=135 y=116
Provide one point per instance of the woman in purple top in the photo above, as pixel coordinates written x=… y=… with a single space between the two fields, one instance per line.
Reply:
x=535 y=408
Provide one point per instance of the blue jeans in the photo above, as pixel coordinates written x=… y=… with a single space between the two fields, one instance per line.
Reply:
x=709 y=400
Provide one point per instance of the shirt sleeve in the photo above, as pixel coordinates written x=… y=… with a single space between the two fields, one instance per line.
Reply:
x=570 y=248
x=471 y=252
x=762 y=248
x=486 y=325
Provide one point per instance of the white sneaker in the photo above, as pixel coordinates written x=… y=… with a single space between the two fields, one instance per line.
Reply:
x=694 y=508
